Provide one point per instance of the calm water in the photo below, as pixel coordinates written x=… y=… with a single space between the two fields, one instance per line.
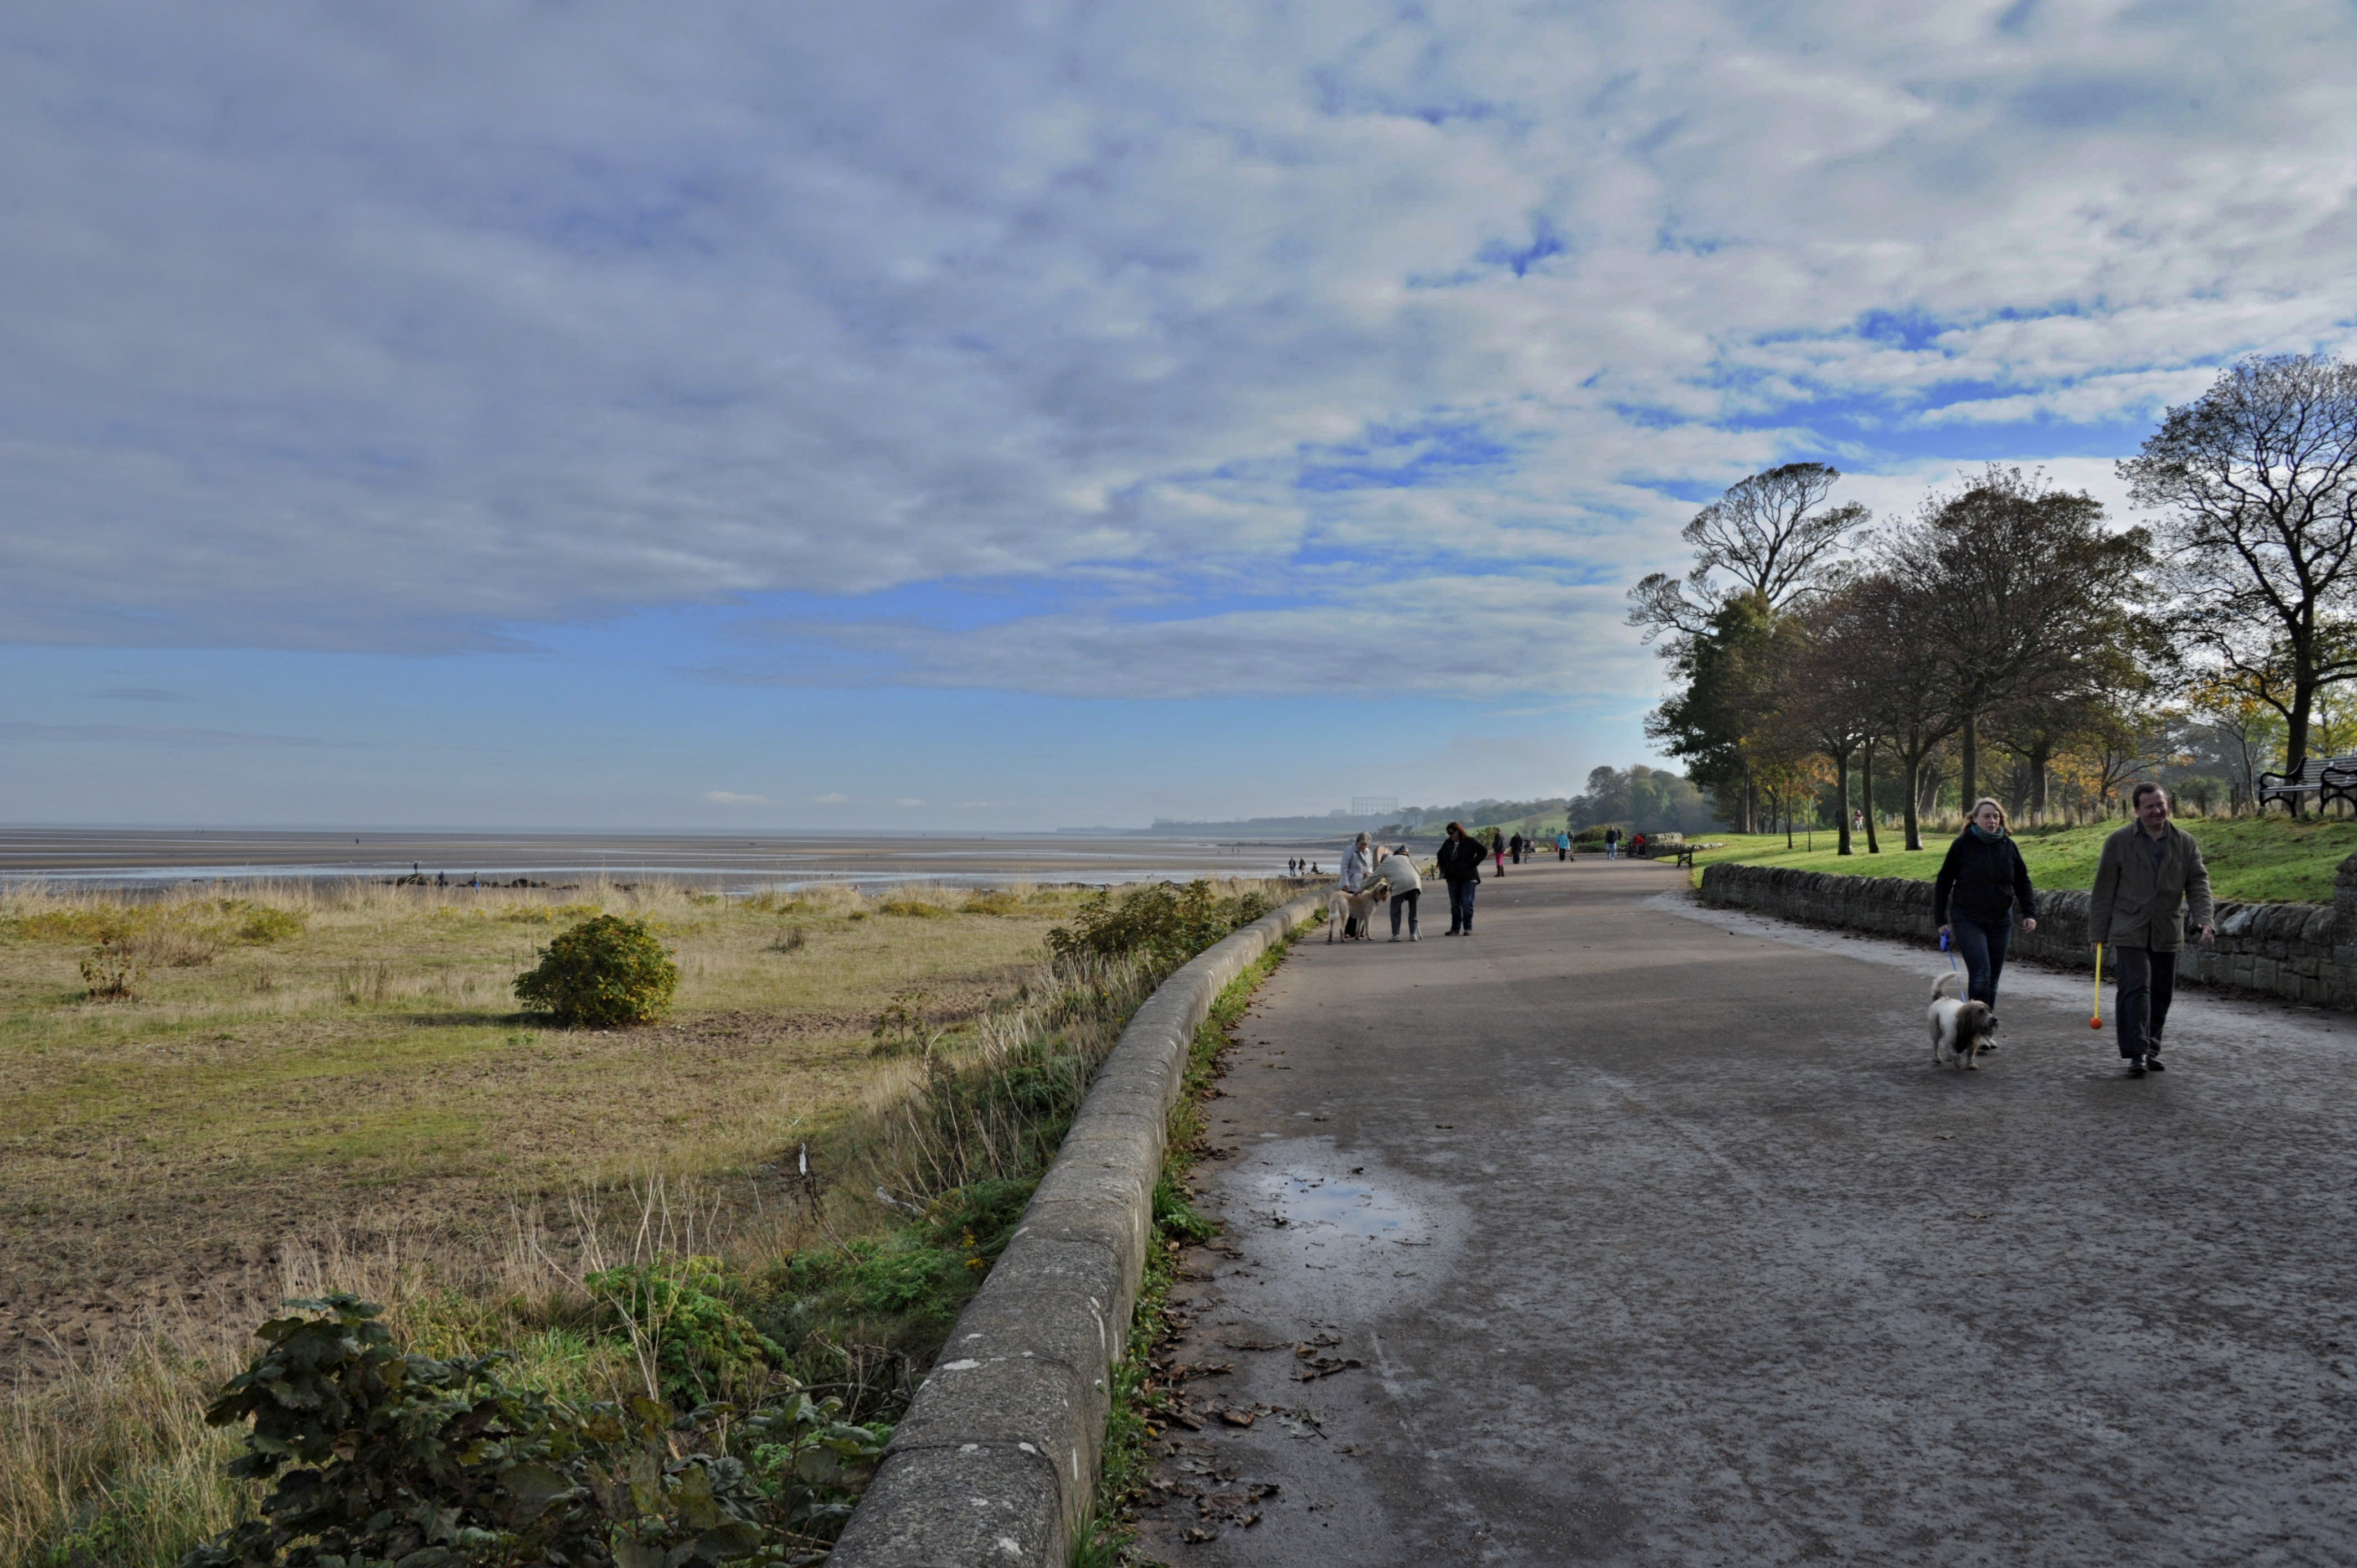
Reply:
x=122 y=857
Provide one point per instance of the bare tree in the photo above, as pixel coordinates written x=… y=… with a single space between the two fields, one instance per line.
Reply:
x=2258 y=480
x=1767 y=535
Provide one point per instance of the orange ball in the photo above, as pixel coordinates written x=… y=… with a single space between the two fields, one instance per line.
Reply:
x=2094 y=1022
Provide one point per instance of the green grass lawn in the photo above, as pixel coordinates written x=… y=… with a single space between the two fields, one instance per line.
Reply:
x=2270 y=859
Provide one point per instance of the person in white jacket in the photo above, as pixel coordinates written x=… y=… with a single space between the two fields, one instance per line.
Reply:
x=1356 y=862
x=1398 y=872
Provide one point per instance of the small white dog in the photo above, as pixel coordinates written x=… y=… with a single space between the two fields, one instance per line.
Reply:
x=1960 y=1029
x=1359 y=906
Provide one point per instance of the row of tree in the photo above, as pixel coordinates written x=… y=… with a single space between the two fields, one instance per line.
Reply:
x=2011 y=617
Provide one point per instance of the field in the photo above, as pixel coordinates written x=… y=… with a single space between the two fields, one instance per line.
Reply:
x=333 y=1087
x=2270 y=859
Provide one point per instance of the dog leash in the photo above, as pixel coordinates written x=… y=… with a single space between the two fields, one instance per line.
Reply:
x=1952 y=961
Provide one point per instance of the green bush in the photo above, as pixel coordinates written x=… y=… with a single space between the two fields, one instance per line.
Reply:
x=380 y=1457
x=705 y=1348
x=603 y=972
x=1162 y=923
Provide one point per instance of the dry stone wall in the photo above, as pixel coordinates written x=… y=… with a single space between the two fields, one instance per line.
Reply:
x=2300 y=952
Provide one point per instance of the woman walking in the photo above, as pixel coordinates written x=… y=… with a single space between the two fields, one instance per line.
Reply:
x=1980 y=883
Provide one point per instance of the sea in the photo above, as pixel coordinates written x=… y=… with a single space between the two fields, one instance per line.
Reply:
x=739 y=863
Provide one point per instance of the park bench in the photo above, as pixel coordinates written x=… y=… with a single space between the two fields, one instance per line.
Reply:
x=2326 y=779
x=1683 y=854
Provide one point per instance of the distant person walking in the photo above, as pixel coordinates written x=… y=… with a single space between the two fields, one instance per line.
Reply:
x=2148 y=880
x=1357 y=862
x=1398 y=872
x=1515 y=848
x=1498 y=849
x=1459 y=861
x=1562 y=844
x=1611 y=843
x=1972 y=899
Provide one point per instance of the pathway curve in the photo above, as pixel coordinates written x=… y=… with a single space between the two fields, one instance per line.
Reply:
x=1657 y=1239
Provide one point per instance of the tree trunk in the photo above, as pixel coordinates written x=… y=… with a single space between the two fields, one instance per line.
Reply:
x=1968 y=780
x=1841 y=798
x=2303 y=702
x=1866 y=783
x=2038 y=758
x=1914 y=813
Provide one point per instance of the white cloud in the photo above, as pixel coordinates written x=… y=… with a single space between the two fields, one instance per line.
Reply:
x=729 y=797
x=409 y=331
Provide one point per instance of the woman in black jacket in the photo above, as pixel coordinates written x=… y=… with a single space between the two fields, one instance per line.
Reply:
x=1979 y=883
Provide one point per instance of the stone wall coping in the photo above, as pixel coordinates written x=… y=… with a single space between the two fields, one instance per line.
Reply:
x=997 y=1460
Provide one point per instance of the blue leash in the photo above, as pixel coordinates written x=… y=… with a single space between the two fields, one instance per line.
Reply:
x=1951 y=961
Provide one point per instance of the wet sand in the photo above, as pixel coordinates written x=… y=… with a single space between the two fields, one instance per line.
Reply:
x=162 y=857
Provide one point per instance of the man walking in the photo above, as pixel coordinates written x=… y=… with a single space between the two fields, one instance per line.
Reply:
x=2149 y=879
x=1459 y=859
x=1611 y=843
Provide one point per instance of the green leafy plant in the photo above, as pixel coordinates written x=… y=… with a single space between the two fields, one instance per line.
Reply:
x=1161 y=923
x=699 y=1347
x=603 y=972
x=379 y=1456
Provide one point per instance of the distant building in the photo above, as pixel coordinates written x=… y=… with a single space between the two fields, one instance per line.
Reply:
x=1374 y=805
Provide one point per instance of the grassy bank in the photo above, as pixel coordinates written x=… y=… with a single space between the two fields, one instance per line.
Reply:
x=2270 y=859
x=317 y=1090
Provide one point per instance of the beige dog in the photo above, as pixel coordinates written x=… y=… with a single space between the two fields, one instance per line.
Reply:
x=1960 y=1029
x=1359 y=906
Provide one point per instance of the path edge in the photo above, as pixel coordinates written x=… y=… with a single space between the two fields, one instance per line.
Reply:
x=997 y=1460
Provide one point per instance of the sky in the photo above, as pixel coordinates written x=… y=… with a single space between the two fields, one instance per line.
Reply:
x=1014 y=416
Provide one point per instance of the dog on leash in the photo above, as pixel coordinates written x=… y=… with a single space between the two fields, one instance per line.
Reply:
x=1960 y=1029
x=1359 y=907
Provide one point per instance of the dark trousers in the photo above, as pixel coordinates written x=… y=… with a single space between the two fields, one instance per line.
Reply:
x=1406 y=901
x=1982 y=949
x=2147 y=980
x=1460 y=906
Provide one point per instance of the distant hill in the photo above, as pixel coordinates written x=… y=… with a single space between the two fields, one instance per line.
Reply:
x=1413 y=822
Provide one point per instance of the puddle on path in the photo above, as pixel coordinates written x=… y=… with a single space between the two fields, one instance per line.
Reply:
x=1308 y=1197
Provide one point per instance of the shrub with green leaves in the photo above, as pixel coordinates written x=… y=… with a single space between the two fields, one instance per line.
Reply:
x=383 y=1458
x=603 y=972
x=704 y=1347
x=1161 y=923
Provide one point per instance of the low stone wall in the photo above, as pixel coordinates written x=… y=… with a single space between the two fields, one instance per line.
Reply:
x=997 y=1460
x=2300 y=952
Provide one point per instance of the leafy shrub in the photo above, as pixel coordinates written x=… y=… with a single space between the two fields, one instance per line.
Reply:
x=1161 y=923
x=380 y=1457
x=603 y=972
x=703 y=1347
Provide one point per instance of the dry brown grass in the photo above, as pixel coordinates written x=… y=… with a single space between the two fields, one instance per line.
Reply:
x=329 y=1087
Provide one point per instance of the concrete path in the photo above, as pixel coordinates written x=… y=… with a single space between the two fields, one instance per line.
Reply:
x=1655 y=1238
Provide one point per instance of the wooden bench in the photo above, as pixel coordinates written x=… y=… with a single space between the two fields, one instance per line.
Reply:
x=2326 y=778
x=1683 y=854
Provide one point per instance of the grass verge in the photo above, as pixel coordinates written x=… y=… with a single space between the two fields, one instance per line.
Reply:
x=1139 y=1399
x=2270 y=859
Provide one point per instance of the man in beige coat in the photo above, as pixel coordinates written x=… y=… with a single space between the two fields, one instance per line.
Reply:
x=2149 y=878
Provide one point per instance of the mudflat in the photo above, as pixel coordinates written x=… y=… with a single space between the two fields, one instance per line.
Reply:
x=740 y=860
x=1629 y=1232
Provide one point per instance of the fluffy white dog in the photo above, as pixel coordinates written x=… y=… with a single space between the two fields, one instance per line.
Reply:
x=1359 y=907
x=1960 y=1029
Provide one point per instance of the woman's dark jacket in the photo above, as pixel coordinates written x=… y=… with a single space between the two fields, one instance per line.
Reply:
x=1460 y=859
x=1980 y=877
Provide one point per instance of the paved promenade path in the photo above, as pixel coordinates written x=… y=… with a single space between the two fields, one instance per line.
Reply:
x=1658 y=1240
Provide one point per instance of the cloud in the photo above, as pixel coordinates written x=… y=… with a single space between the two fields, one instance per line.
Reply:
x=829 y=799
x=907 y=802
x=425 y=332
x=729 y=797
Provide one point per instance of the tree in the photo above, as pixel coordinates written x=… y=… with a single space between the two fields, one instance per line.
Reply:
x=1904 y=682
x=1832 y=697
x=2244 y=724
x=2027 y=590
x=1765 y=533
x=1733 y=675
x=2258 y=481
